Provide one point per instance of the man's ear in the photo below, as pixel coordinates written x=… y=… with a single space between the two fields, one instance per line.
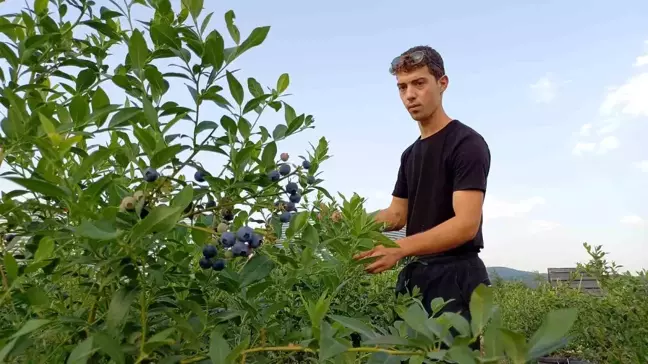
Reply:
x=443 y=82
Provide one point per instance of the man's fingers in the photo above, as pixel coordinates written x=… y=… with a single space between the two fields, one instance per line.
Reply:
x=375 y=267
x=363 y=254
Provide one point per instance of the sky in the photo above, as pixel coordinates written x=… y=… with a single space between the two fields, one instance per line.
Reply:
x=558 y=89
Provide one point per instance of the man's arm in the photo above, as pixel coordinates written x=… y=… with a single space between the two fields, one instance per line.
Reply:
x=393 y=217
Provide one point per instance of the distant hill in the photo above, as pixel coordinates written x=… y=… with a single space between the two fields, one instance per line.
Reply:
x=510 y=274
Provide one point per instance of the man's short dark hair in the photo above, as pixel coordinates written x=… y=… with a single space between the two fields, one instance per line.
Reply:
x=432 y=59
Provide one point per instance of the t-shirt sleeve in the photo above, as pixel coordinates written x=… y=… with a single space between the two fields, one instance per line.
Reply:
x=400 y=188
x=471 y=164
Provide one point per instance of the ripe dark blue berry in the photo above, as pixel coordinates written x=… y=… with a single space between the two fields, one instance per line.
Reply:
x=292 y=187
x=199 y=176
x=240 y=249
x=228 y=215
x=290 y=206
x=284 y=170
x=311 y=180
x=150 y=174
x=245 y=233
x=210 y=204
x=256 y=241
x=295 y=198
x=306 y=164
x=285 y=217
x=209 y=251
x=9 y=237
x=219 y=264
x=274 y=176
x=205 y=263
x=228 y=239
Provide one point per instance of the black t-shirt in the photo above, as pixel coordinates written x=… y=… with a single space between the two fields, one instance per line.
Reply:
x=455 y=158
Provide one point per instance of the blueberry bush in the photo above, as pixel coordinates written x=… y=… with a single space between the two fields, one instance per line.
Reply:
x=119 y=245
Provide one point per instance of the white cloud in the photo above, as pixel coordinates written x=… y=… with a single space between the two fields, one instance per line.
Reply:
x=632 y=220
x=586 y=129
x=581 y=148
x=544 y=90
x=609 y=126
x=608 y=143
x=629 y=98
x=643 y=165
x=538 y=226
x=495 y=208
x=642 y=60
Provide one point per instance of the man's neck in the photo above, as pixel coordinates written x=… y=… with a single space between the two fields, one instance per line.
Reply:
x=434 y=123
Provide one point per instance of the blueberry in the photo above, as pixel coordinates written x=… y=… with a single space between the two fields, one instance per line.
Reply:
x=245 y=233
x=9 y=237
x=204 y=263
x=240 y=249
x=256 y=241
x=228 y=239
x=150 y=174
x=284 y=157
x=210 y=204
x=274 y=176
x=209 y=251
x=284 y=170
x=290 y=206
x=295 y=198
x=292 y=187
x=306 y=164
x=285 y=217
x=199 y=176
x=311 y=180
x=219 y=264
x=228 y=215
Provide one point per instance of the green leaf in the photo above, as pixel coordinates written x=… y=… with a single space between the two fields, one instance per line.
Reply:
x=355 y=325
x=254 y=103
x=164 y=34
x=110 y=346
x=151 y=114
x=482 y=308
x=79 y=109
x=205 y=125
x=137 y=50
x=282 y=83
x=492 y=345
x=256 y=269
x=30 y=326
x=40 y=186
x=254 y=87
x=101 y=232
x=329 y=347
x=100 y=100
x=235 y=87
x=40 y=6
x=119 y=306
x=198 y=236
x=11 y=266
x=257 y=37
x=279 y=132
x=124 y=116
x=461 y=354
x=85 y=79
x=81 y=352
x=37 y=297
x=244 y=127
x=45 y=249
x=165 y=155
x=194 y=6
x=160 y=219
x=214 y=47
x=310 y=235
x=514 y=346
x=416 y=318
x=269 y=154
x=103 y=28
x=231 y=27
x=229 y=125
x=219 y=349
x=297 y=223
x=552 y=333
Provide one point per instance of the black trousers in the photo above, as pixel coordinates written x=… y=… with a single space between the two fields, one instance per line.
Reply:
x=447 y=277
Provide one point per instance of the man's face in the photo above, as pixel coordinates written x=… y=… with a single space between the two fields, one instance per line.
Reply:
x=420 y=92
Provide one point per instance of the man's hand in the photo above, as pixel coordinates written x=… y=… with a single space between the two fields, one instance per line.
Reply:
x=387 y=258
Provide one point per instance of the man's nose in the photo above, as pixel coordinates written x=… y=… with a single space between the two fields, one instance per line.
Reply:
x=410 y=95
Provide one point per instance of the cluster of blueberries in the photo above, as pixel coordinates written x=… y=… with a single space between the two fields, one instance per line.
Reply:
x=292 y=189
x=240 y=244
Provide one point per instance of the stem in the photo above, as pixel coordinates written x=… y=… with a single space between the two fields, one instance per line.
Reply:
x=143 y=319
x=207 y=230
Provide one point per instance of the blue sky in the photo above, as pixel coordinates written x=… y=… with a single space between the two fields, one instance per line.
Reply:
x=529 y=77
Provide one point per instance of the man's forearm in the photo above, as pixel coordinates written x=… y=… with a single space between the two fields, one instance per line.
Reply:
x=390 y=220
x=440 y=238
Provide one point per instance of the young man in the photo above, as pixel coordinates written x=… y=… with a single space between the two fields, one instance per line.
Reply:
x=438 y=194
